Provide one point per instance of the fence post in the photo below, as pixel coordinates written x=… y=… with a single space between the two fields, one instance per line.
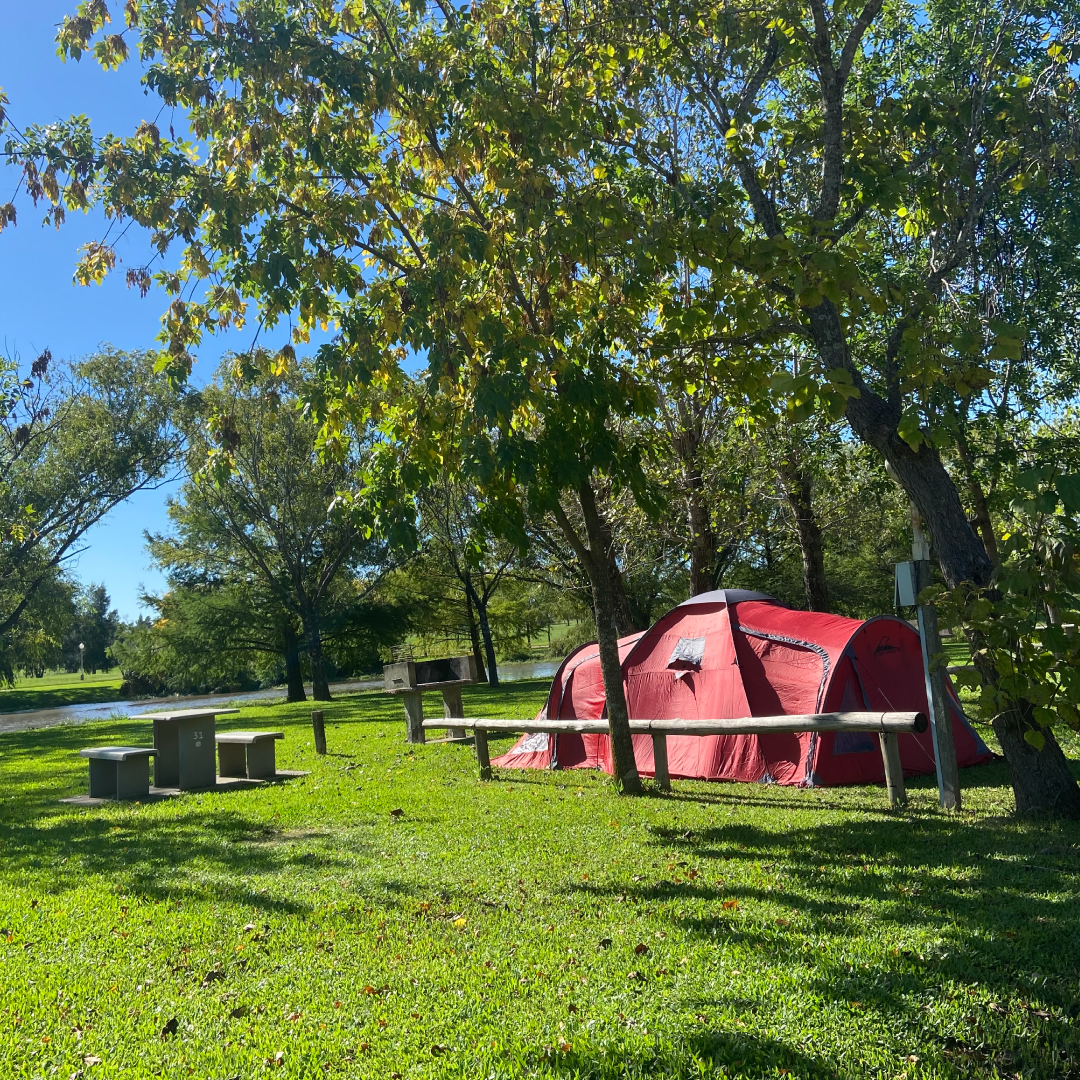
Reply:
x=660 y=765
x=319 y=730
x=894 y=771
x=482 y=759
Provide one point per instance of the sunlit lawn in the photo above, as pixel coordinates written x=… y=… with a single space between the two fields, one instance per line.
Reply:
x=537 y=925
x=58 y=688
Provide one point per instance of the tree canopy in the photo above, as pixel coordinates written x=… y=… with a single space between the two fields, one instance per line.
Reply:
x=565 y=212
x=75 y=441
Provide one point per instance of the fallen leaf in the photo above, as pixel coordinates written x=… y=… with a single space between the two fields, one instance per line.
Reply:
x=170 y=1028
x=565 y=1047
x=636 y=976
x=248 y=927
x=294 y=1016
x=438 y=1049
x=571 y=1008
x=397 y=812
x=913 y=1058
x=91 y=1059
x=640 y=949
x=382 y=1022
x=783 y=922
x=337 y=1004
x=730 y=905
x=604 y=943
x=460 y=921
x=370 y=990
x=212 y=976
x=239 y=1012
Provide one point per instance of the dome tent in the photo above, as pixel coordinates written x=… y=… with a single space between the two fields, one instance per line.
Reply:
x=733 y=653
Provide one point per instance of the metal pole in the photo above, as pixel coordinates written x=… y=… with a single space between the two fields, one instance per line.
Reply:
x=82 y=647
x=948 y=773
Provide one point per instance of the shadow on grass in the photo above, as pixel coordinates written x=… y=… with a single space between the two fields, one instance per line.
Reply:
x=962 y=908
x=708 y=1052
x=196 y=853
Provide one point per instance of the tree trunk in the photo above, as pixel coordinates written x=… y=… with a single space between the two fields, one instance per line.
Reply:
x=978 y=498
x=294 y=677
x=625 y=621
x=597 y=566
x=489 y=645
x=474 y=633
x=1042 y=781
x=320 y=687
x=799 y=491
x=703 y=562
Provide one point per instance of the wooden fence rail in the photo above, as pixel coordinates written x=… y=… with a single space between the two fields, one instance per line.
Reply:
x=886 y=725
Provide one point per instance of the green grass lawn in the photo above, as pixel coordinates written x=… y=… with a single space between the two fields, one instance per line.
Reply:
x=389 y=916
x=60 y=688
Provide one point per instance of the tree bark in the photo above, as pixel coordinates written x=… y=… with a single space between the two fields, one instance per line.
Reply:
x=597 y=566
x=978 y=499
x=921 y=472
x=625 y=620
x=294 y=677
x=474 y=633
x=1042 y=781
x=703 y=561
x=489 y=644
x=799 y=491
x=1043 y=784
x=320 y=687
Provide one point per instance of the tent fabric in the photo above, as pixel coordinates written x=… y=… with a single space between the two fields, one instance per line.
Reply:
x=733 y=653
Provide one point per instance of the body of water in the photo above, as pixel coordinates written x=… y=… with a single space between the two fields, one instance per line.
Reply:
x=80 y=714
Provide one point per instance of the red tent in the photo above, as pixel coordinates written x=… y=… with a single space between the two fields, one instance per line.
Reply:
x=734 y=653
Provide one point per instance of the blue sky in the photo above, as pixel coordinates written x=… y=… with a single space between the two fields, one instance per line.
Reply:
x=39 y=305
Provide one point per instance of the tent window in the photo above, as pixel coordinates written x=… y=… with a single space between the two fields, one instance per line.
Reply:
x=689 y=652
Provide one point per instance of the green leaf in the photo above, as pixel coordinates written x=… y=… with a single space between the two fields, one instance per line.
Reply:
x=1068 y=487
x=1036 y=739
x=910 y=430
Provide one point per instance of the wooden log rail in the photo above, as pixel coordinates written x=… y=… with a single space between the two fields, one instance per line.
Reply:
x=886 y=725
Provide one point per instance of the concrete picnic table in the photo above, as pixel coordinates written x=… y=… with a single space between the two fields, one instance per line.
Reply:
x=184 y=739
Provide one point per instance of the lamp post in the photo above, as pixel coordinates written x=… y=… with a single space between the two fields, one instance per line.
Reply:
x=82 y=650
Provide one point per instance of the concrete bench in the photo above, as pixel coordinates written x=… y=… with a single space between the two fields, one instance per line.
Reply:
x=119 y=772
x=886 y=726
x=247 y=754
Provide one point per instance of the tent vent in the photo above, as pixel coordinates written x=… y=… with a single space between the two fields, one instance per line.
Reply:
x=537 y=743
x=689 y=652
